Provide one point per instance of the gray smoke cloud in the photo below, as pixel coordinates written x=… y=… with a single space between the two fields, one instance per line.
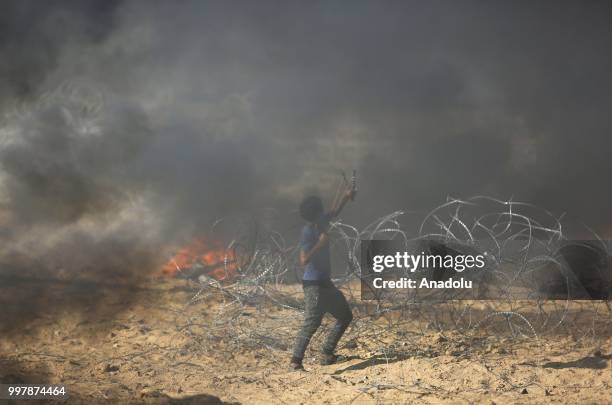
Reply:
x=137 y=123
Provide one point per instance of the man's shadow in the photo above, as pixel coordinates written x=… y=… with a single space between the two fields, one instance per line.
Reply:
x=372 y=361
x=592 y=362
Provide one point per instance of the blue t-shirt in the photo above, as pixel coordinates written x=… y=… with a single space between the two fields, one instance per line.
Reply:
x=319 y=266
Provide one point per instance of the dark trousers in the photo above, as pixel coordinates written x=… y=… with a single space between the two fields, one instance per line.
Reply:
x=319 y=299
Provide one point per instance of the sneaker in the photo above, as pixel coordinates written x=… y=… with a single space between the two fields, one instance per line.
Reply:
x=293 y=366
x=329 y=359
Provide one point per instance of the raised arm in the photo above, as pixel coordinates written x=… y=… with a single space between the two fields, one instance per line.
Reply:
x=348 y=195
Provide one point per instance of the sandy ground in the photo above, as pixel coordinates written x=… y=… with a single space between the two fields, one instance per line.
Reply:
x=142 y=353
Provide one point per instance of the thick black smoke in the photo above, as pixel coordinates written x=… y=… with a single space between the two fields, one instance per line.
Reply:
x=130 y=125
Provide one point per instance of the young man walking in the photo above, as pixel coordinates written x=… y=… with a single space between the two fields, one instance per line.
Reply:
x=320 y=294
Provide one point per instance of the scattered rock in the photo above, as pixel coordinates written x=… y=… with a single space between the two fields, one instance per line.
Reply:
x=111 y=368
x=524 y=391
x=12 y=379
x=351 y=345
x=439 y=338
x=150 y=392
x=597 y=353
x=547 y=393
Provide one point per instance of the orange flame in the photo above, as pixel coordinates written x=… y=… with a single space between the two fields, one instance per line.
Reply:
x=218 y=262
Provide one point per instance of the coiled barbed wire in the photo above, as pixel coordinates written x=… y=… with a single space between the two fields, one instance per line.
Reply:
x=262 y=303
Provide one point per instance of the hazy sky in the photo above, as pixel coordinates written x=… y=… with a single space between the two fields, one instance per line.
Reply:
x=150 y=119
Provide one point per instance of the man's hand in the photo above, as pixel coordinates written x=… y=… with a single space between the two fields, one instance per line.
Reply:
x=347 y=196
x=323 y=239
